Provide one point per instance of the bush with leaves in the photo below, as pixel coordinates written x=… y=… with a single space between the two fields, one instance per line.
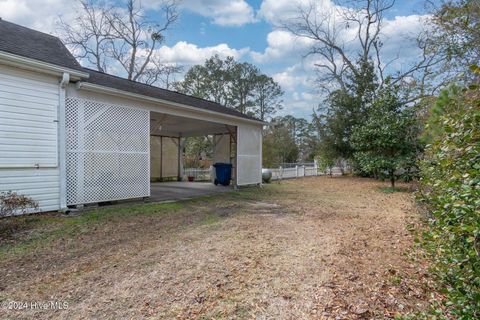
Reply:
x=326 y=157
x=12 y=203
x=450 y=189
x=387 y=142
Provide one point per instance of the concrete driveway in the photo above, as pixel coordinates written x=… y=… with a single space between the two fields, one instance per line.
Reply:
x=161 y=191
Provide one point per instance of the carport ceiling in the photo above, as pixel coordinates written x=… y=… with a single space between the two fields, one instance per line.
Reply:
x=174 y=126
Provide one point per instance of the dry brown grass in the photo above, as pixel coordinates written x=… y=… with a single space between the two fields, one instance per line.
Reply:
x=314 y=248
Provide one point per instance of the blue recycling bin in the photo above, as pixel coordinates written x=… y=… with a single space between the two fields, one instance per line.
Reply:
x=223 y=173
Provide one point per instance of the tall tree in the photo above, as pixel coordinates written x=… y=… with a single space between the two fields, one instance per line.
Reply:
x=345 y=108
x=278 y=147
x=243 y=78
x=211 y=81
x=347 y=42
x=301 y=133
x=239 y=86
x=267 y=95
x=88 y=35
x=111 y=37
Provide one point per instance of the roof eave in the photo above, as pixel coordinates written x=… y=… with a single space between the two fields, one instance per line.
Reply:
x=104 y=89
x=39 y=66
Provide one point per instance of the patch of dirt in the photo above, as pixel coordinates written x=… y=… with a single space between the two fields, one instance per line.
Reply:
x=314 y=248
x=259 y=207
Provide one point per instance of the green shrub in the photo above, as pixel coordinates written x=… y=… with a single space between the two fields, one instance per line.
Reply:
x=386 y=144
x=450 y=189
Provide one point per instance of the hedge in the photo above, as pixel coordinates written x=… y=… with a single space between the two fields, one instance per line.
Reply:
x=450 y=189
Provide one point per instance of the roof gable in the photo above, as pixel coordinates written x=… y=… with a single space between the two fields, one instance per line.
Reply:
x=35 y=45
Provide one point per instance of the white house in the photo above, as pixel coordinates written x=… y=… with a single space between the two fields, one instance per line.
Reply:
x=70 y=135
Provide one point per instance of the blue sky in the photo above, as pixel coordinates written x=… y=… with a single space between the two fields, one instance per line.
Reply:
x=247 y=30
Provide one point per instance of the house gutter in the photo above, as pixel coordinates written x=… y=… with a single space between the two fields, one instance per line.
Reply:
x=62 y=154
x=102 y=89
x=39 y=66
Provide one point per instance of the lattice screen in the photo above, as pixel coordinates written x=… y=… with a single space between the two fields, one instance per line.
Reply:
x=107 y=152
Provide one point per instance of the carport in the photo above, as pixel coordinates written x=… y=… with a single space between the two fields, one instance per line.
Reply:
x=121 y=136
x=74 y=136
x=167 y=139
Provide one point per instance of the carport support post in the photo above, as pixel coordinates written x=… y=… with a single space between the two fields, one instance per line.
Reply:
x=180 y=158
x=161 y=158
x=235 y=139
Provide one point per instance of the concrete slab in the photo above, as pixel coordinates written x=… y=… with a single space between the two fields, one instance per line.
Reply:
x=162 y=191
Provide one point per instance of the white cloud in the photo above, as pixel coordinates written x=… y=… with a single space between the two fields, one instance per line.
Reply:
x=278 y=11
x=283 y=48
x=299 y=107
x=184 y=53
x=285 y=80
x=282 y=44
x=397 y=35
x=42 y=14
x=292 y=77
x=37 y=14
x=301 y=95
x=222 y=12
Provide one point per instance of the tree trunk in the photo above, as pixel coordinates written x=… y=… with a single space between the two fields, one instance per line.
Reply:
x=392 y=179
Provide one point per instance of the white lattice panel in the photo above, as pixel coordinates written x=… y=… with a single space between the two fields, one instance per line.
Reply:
x=249 y=154
x=107 y=152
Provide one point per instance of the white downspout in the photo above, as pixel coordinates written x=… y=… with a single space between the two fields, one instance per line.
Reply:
x=61 y=141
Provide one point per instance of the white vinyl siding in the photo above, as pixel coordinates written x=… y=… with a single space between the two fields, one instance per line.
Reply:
x=40 y=184
x=28 y=114
x=29 y=136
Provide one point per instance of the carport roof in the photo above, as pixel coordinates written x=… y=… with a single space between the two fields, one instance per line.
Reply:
x=108 y=80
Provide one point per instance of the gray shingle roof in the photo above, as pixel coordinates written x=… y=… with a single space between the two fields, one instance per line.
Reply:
x=123 y=84
x=43 y=47
x=36 y=45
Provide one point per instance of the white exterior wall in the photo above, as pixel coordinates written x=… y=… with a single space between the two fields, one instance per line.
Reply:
x=249 y=154
x=221 y=148
x=29 y=136
x=169 y=157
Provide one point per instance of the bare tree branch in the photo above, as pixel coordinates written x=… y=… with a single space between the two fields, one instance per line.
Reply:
x=88 y=35
x=111 y=36
x=339 y=55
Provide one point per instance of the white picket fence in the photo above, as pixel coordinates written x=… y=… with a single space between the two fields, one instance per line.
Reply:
x=292 y=171
x=198 y=174
x=304 y=170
